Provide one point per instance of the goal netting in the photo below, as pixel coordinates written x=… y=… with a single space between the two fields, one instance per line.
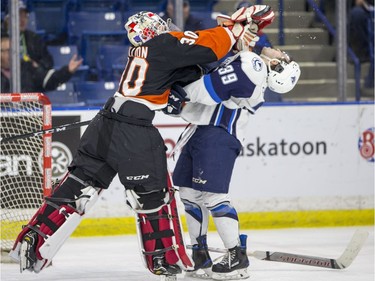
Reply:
x=25 y=164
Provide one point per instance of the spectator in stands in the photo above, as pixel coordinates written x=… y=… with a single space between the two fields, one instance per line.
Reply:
x=360 y=34
x=34 y=77
x=359 y=37
x=32 y=46
x=191 y=22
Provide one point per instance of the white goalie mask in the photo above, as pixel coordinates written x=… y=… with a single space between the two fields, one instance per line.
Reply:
x=144 y=26
x=283 y=76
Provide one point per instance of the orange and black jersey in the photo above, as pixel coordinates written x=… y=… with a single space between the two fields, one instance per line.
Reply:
x=169 y=58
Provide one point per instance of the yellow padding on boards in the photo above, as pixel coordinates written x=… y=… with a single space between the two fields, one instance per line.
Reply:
x=260 y=220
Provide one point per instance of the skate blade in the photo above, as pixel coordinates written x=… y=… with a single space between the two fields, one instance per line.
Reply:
x=234 y=275
x=165 y=272
x=201 y=273
x=24 y=261
x=168 y=277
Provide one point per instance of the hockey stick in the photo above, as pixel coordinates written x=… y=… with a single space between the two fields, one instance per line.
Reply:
x=344 y=261
x=57 y=129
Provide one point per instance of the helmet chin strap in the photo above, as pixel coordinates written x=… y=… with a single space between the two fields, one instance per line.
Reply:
x=269 y=61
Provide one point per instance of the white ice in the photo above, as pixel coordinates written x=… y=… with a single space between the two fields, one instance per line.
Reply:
x=118 y=258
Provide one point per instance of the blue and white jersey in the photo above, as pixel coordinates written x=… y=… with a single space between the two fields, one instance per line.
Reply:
x=227 y=96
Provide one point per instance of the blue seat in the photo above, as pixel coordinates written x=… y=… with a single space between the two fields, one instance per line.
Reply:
x=90 y=30
x=64 y=95
x=208 y=19
x=202 y=5
x=100 y=5
x=61 y=57
x=110 y=59
x=95 y=93
x=128 y=14
x=51 y=16
x=145 y=5
x=94 y=22
x=33 y=27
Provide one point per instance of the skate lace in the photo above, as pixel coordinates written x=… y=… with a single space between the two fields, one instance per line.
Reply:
x=228 y=258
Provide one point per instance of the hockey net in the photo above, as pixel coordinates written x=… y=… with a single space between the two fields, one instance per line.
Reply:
x=25 y=166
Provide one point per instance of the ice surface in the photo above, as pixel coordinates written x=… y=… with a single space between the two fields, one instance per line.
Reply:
x=117 y=258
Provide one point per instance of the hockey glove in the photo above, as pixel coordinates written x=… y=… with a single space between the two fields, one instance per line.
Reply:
x=245 y=37
x=257 y=16
x=176 y=100
x=247 y=40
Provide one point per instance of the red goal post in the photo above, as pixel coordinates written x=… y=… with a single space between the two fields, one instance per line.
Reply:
x=25 y=164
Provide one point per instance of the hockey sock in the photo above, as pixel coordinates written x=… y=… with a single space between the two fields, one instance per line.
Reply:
x=226 y=221
x=197 y=219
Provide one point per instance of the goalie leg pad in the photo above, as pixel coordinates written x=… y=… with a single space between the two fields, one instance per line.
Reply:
x=162 y=231
x=146 y=203
x=154 y=224
x=53 y=224
x=159 y=230
x=45 y=227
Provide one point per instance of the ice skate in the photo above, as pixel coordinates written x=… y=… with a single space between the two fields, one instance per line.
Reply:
x=234 y=264
x=163 y=268
x=27 y=251
x=202 y=260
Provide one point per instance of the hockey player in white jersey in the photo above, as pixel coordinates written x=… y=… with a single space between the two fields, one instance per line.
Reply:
x=220 y=107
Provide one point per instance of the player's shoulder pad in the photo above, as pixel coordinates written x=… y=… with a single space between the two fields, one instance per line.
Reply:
x=253 y=66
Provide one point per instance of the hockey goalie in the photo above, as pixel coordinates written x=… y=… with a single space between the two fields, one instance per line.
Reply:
x=121 y=139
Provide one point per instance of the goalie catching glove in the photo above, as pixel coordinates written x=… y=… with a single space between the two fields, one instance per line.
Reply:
x=245 y=23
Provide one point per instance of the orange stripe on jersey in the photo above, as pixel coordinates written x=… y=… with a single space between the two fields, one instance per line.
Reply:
x=156 y=99
x=217 y=39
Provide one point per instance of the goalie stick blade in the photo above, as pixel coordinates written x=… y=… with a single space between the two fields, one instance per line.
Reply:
x=347 y=257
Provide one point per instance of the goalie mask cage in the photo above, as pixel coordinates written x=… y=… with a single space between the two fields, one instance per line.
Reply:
x=25 y=166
